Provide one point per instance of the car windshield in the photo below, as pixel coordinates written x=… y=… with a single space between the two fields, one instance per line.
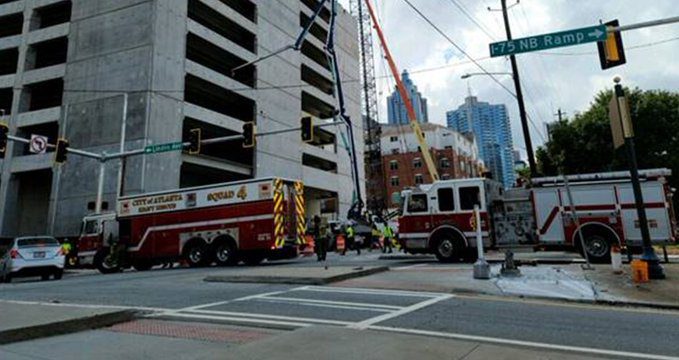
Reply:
x=33 y=242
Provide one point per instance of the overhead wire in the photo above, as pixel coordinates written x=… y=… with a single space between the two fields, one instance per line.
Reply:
x=472 y=18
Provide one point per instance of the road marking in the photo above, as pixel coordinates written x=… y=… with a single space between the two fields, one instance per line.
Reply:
x=365 y=291
x=244 y=298
x=239 y=319
x=523 y=343
x=420 y=305
x=275 y=317
x=330 y=302
x=302 y=302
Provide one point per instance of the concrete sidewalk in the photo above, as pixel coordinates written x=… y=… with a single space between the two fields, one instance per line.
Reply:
x=293 y=275
x=25 y=321
x=331 y=343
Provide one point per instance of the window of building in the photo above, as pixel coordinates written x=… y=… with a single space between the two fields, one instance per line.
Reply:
x=446 y=199
x=393 y=139
x=394 y=181
x=444 y=163
x=393 y=165
x=419 y=179
x=417 y=203
x=469 y=196
x=417 y=163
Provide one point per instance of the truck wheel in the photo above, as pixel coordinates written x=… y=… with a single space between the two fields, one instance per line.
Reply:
x=196 y=254
x=106 y=262
x=447 y=249
x=226 y=254
x=597 y=246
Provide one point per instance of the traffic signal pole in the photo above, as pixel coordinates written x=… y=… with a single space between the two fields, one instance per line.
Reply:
x=519 y=97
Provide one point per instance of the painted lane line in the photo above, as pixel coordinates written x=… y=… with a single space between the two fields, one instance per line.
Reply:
x=244 y=298
x=353 y=308
x=360 y=291
x=369 y=322
x=238 y=319
x=274 y=317
x=546 y=346
x=329 y=302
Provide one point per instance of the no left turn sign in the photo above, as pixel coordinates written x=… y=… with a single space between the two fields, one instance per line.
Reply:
x=38 y=144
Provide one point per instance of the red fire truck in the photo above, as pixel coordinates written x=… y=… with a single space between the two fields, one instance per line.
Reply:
x=438 y=218
x=224 y=223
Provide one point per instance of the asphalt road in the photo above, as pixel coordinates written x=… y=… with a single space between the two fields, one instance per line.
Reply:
x=180 y=294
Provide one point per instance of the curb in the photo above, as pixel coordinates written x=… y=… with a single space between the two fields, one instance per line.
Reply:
x=294 y=280
x=519 y=262
x=66 y=327
x=600 y=302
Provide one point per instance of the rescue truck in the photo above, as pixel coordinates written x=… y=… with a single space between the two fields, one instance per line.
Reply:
x=224 y=223
x=439 y=218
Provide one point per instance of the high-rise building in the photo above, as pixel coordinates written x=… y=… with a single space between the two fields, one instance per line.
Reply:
x=66 y=64
x=490 y=125
x=455 y=156
x=396 y=109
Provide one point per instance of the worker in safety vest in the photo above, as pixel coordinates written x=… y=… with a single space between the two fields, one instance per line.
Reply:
x=375 y=238
x=388 y=238
x=351 y=239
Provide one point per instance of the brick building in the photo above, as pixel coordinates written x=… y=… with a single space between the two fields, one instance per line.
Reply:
x=456 y=156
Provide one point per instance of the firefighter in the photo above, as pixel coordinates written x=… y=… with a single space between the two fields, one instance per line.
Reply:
x=388 y=238
x=320 y=245
x=323 y=241
x=375 y=235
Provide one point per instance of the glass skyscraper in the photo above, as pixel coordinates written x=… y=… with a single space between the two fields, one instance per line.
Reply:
x=396 y=109
x=490 y=126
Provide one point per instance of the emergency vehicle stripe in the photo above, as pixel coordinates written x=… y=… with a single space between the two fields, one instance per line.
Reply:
x=279 y=230
x=300 y=212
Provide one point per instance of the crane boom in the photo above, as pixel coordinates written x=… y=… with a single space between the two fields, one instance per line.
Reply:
x=412 y=118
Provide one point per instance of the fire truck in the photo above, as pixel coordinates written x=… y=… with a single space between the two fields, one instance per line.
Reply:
x=224 y=223
x=439 y=218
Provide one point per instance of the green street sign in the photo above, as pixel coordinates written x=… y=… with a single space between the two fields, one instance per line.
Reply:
x=152 y=149
x=549 y=41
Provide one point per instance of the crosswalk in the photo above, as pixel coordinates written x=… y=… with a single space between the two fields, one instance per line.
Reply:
x=311 y=305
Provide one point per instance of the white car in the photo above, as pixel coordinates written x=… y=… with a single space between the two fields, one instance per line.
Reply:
x=34 y=256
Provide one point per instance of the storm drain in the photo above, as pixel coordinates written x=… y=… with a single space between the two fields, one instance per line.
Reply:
x=184 y=330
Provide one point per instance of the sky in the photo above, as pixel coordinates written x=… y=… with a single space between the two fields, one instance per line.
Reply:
x=566 y=78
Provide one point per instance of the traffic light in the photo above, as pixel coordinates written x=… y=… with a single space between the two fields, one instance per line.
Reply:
x=249 y=130
x=307 y=129
x=62 y=150
x=194 y=141
x=611 y=51
x=4 y=131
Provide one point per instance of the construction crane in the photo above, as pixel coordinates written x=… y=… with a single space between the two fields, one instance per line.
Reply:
x=374 y=175
x=412 y=118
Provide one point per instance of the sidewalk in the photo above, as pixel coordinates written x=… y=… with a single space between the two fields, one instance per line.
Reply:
x=26 y=321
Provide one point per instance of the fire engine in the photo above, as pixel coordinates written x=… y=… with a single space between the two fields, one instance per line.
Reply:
x=224 y=223
x=439 y=217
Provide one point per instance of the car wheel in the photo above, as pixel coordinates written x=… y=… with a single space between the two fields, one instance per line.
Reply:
x=58 y=274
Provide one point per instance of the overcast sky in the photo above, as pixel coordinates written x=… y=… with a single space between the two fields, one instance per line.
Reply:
x=565 y=78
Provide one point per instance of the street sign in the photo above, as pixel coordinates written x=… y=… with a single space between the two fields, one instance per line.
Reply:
x=38 y=144
x=549 y=41
x=153 y=149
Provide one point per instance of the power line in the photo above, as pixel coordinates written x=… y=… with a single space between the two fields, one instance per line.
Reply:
x=438 y=30
x=638 y=46
x=471 y=17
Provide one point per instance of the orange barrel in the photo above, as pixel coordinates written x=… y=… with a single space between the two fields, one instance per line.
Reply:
x=340 y=243
x=308 y=248
x=639 y=271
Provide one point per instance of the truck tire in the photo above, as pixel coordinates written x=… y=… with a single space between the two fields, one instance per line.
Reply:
x=196 y=253
x=597 y=245
x=106 y=262
x=225 y=253
x=448 y=249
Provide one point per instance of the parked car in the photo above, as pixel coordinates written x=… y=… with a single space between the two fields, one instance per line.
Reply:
x=33 y=256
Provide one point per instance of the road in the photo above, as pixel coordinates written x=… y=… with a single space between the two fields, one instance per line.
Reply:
x=180 y=294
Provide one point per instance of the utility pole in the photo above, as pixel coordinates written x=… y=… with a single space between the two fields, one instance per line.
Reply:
x=519 y=97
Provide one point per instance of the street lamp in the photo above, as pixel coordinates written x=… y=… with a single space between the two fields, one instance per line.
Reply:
x=468 y=75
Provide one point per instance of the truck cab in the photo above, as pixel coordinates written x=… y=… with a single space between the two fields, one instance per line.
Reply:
x=96 y=230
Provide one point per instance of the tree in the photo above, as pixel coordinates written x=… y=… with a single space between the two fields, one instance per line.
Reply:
x=585 y=144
